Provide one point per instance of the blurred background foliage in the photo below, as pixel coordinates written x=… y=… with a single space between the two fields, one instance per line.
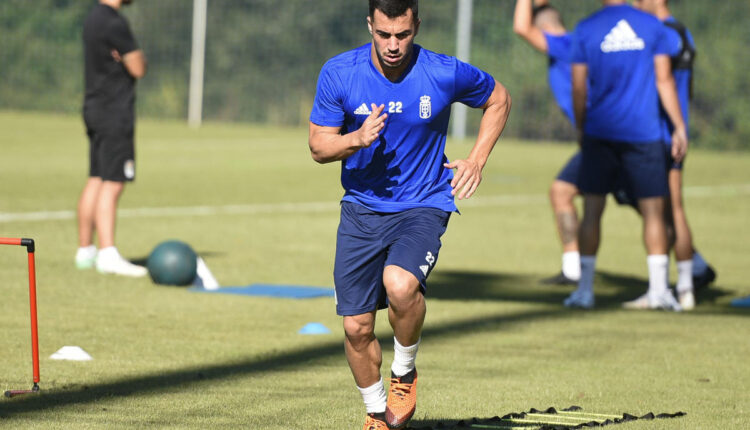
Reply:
x=263 y=58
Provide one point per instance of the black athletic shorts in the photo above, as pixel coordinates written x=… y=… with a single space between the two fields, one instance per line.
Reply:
x=111 y=150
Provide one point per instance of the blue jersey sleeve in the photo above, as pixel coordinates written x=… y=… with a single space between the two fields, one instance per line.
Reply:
x=328 y=107
x=664 y=45
x=578 y=50
x=558 y=47
x=673 y=41
x=473 y=86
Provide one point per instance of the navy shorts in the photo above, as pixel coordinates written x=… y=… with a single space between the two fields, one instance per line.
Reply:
x=607 y=165
x=369 y=241
x=571 y=171
x=625 y=196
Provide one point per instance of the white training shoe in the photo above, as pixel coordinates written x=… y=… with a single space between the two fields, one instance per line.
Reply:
x=686 y=299
x=86 y=257
x=581 y=299
x=111 y=262
x=664 y=301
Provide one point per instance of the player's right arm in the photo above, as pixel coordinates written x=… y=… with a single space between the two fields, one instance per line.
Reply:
x=523 y=25
x=327 y=144
x=580 y=72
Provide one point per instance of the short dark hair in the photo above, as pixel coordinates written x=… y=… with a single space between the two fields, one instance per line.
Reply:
x=549 y=11
x=395 y=8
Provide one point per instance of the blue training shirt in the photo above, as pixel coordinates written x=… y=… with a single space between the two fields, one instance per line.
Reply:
x=403 y=168
x=560 y=80
x=682 y=78
x=618 y=44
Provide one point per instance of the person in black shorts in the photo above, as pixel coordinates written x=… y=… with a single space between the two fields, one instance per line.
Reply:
x=113 y=63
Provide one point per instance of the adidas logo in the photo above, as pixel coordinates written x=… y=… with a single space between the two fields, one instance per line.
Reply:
x=362 y=110
x=622 y=38
x=424 y=268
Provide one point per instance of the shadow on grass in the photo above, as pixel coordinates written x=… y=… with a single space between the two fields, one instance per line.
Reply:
x=451 y=285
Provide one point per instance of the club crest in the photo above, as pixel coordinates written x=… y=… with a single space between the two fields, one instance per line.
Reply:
x=425 y=107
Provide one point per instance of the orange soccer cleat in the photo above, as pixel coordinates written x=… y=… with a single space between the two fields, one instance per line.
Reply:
x=402 y=400
x=375 y=422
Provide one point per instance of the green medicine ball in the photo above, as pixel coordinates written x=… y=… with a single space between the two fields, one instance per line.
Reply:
x=172 y=263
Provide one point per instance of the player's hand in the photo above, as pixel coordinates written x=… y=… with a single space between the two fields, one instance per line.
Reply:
x=466 y=179
x=679 y=144
x=116 y=56
x=373 y=125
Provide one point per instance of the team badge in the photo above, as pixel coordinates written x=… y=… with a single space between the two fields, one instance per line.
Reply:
x=129 y=169
x=425 y=107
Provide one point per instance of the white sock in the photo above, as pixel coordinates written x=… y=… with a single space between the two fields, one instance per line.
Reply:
x=699 y=264
x=588 y=265
x=86 y=252
x=403 y=357
x=374 y=397
x=684 y=276
x=658 y=274
x=571 y=265
x=108 y=254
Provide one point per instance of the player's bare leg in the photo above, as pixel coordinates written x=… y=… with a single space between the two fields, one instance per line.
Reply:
x=655 y=238
x=406 y=312
x=683 y=243
x=109 y=260
x=87 y=211
x=588 y=242
x=364 y=356
x=362 y=348
x=86 y=253
x=106 y=212
x=561 y=195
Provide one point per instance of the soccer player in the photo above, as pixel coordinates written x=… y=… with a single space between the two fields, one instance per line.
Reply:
x=113 y=63
x=542 y=27
x=621 y=66
x=683 y=56
x=382 y=110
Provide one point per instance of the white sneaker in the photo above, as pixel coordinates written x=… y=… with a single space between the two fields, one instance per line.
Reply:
x=86 y=257
x=664 y=301
x=109 y=261
x=686 y=299
x=580 y=298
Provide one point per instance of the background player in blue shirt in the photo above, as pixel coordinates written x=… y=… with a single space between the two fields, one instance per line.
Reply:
x=382 y=110
x=692 y=269
x=621 y=71
x=542 y=27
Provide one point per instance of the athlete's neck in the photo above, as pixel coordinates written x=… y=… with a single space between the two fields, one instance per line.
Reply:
x=663 y=13
x=393 y=74
x=613 y=2
x=114 y=4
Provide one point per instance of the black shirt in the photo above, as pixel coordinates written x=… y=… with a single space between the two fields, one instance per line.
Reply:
x=110 y=89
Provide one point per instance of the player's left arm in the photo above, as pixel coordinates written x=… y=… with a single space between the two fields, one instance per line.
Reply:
x=668 y=95
x=469 y=170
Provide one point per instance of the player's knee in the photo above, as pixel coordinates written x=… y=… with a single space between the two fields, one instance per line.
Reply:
x=359 y=329
x=561 y=194
x=403 y=293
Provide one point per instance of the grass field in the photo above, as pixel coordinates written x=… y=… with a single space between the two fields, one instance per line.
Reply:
x=254 y=204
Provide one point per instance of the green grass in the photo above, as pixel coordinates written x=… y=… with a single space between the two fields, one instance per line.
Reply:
x=495 y=341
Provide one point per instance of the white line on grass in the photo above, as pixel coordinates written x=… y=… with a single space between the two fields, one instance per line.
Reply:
x=315 y=207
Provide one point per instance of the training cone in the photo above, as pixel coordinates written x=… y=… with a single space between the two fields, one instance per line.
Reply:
x=72 y=353
x=203 y=277
x=314 y=328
